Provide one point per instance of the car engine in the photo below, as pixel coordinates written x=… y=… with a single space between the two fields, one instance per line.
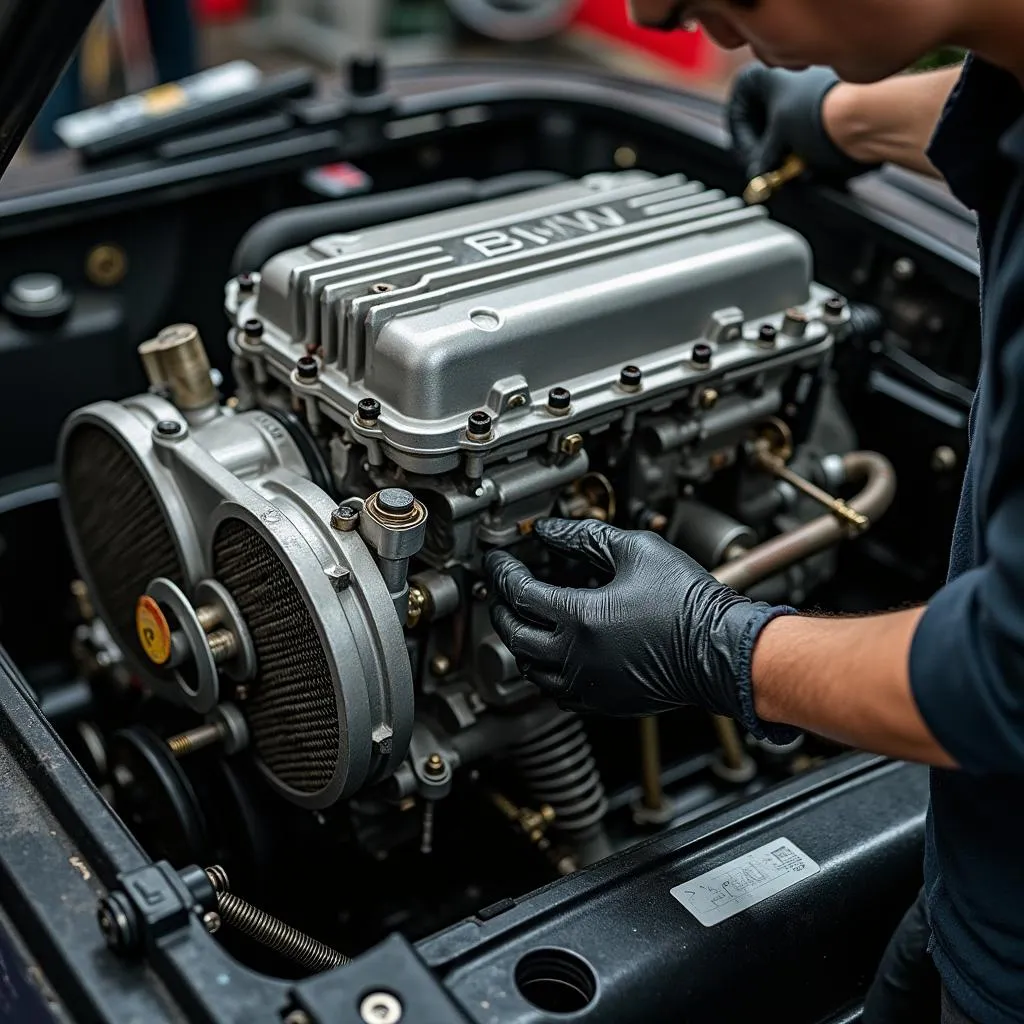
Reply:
x=284 y=618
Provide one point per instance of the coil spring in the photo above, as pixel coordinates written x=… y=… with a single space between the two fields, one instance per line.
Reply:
x=559 y=769
x=269 y=930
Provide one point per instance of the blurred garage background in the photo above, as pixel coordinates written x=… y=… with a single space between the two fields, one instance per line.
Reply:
x=136 y=44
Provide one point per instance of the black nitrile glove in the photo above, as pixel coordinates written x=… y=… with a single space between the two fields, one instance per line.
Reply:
x=774 y=113
x=664 y=633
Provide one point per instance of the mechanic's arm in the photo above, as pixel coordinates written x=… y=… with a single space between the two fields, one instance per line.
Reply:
x=847 y=679
x=839 y=129
x=890 y=121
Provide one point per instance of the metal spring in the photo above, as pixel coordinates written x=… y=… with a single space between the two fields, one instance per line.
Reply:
x=269 y=930
x=558 y=767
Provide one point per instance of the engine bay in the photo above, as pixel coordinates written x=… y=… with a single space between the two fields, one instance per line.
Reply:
x=280 y=665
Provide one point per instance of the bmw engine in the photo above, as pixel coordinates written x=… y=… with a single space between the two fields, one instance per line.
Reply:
x=288 y=575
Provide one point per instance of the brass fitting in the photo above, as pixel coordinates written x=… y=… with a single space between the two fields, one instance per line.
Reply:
x=764 y=186
x=176 y=359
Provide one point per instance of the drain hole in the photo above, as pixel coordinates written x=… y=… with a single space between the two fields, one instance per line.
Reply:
x=556 y=981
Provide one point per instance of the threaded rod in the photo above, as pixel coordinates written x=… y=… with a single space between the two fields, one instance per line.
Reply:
x=223 y=645
x=195 y=739
x=269 y=930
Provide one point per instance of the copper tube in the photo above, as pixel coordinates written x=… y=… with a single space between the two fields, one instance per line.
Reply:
x=780 y=552
x=650 y=754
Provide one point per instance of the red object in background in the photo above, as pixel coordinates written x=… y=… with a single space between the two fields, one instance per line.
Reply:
x=690 y=50
x=220 y=10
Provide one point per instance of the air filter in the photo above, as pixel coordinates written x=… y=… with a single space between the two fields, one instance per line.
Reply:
x=117 y=526
x=292 y=710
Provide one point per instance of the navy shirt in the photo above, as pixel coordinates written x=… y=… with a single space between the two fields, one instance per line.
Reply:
x=967 y=657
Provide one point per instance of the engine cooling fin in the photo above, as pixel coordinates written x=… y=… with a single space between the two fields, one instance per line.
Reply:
x=123 y=538
x=292 y=710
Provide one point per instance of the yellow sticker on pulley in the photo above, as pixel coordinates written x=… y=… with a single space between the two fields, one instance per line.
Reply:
x=153 y=630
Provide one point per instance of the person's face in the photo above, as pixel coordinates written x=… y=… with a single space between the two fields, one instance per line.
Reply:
x=863 y=40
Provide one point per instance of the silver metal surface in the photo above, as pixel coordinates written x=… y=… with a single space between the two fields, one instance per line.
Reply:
x=247 y=466
x=496 y=303
x=36 y=289
x=200 y=685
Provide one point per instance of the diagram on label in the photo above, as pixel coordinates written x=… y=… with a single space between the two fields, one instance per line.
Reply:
x=720 y=893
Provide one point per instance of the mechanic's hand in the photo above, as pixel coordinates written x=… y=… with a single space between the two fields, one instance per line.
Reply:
x=774 y=113
x=662 y=634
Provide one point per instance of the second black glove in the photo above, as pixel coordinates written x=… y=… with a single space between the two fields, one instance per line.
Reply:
x=774 y=113
x=662 y=634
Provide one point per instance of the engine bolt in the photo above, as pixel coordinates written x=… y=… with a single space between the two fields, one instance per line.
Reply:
x=700 y=356
x=766 y=336
x=943 y=459
x=835 y=306
x=246 y=283
x=570 y=444
x=794 y=324
x=630 y=377
x=380 y=1008
x=440 y=665
x=115 y=921
x=253 y=328
x=559 y=400
x=168 y=428
x=904 y=269
x=708 y=398
x=478 y=426
x=479 y=591
x=307 y=368
x=211 y=921
x=344 y=518
x=368 y=411
x=434 y=765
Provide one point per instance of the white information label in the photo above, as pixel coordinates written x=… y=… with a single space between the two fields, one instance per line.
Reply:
x=724 y=891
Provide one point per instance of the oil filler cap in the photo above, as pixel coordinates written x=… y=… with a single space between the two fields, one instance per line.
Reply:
x=153 y=630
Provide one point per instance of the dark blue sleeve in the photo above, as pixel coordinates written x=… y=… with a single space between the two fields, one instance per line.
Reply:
x=967 y=656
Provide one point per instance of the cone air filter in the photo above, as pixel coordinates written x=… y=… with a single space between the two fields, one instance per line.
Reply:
x=117 y=525
x=292 y=708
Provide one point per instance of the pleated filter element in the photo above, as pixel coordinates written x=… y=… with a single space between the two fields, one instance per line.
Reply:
x=292 y=708
x=123 y=538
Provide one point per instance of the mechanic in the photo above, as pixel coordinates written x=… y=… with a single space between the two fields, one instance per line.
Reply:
x=941 y=684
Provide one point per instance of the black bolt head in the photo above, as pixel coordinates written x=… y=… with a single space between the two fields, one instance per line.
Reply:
x=559 y=398
x=345 y=512
x=630 y=376
x=114 y=916
x=835 y=305
x=767 y=334
x=369 y=410
x=253 y=328
x=364 y=76
x=168 y=428
x=246 y=282
x=396 y=501
x=479 y=424
x=307 y=368
x=701 y=355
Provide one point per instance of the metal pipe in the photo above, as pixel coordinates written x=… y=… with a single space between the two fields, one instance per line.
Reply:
x=37 y=40
x=780 y=552
x=650 y=753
